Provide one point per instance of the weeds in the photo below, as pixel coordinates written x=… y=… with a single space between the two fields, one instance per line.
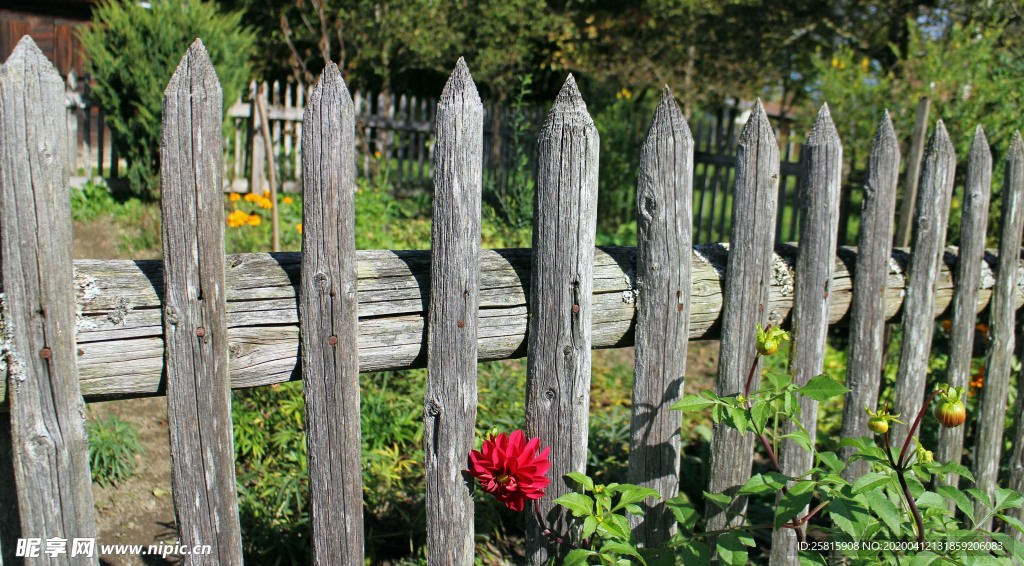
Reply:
x=113 y=447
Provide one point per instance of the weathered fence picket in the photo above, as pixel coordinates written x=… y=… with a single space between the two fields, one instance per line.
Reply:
x=992 y=408
x=870 y=291
x=198 y=322
x=928 y=244
x=449 y=410
x=973 y=224
x=50 y=459
x=745 y=304
x=662 y=296
x=819 y=229
x=328 y=322
x=195 y=313
x=561 y=306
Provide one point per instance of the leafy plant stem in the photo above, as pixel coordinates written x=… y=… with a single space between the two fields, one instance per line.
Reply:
x=913 y=428
x=548 y=532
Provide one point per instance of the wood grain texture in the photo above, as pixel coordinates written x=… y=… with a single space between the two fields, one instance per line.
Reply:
x=745 y=302
x=870 y=291
x=195 y=312
x=664 y=262
x=120 y=336
x=449 y=410
x=47 y=435
x=561 y=309
x=992 y=405
x=973 y=224
x=328 y=322
x=819 y=230
x=928 y=246
x=912 y=174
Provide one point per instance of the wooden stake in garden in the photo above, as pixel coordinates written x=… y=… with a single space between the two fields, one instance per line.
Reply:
x=449 y=411
x=328 y=320
x=870 y=294
x=561 y=287
x=745 y=304
x=663 y=266
x=195 y=310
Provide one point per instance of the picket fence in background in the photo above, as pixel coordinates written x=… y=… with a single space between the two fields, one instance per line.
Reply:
x=199 y=323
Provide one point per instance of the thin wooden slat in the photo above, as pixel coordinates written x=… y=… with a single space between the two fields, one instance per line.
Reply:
x=558 y=367
x=287 y=172
x=194 y=318
x=327 y=316
x=698 y=183
x=449 y=406
x=819 y=206
x=47 y=435
x=400 y=142
x=912 y=173
x=992 y=405
x=258 y=158
x=664 y=259
x=300 y=102
x=928 y=245
x=870 y=292
x=973 y=224
x=745 y=301
x=715 y=183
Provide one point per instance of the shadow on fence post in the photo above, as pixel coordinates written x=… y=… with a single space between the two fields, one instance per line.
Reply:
x=664 y=257
x=449 y=411
x=745 y=304
x=47 y=414
x=561 y=287
x=194 y=320
x=328 y=322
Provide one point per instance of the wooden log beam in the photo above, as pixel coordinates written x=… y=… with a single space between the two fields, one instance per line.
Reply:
x=120 y=337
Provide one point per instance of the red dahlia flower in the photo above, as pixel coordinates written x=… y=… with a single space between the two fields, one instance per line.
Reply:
x=509 y=468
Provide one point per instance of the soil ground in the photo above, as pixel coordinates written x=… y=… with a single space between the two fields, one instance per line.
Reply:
x=140 y=511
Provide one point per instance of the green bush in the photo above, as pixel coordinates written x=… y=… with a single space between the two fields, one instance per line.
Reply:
x=113 y=446
x=133 y=51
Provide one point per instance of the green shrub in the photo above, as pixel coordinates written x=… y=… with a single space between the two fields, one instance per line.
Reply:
x=113 y=446
x=133 y=51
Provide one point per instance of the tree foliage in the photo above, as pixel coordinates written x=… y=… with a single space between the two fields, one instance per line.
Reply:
x=133 y=51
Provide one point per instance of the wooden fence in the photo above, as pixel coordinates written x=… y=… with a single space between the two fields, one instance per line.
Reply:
x=197 y=323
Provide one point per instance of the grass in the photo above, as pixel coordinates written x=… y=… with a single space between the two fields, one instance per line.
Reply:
x=114 y=446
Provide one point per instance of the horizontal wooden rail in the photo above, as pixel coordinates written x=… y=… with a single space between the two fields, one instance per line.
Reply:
x=120 y=343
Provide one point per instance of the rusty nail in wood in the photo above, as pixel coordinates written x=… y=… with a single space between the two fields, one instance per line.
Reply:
x=679 y=307
x=200 y=332
x=81 y=352
x=575 y=308
x=332 y=340
x=462 y=323
x=45 y=353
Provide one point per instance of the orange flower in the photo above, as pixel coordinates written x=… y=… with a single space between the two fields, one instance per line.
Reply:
x=254 y=220
x=299 y=227
x=252 y=197
x=287 y=200
x=264 y=202
x=237 y=218
x=235 y=197
x=266 y=194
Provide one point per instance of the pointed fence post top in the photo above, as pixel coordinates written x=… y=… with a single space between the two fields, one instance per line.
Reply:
x=1016 y=146
x=980 y=147
x=940 y=142
x=886 y=133
x=195 y=64
x=823 y=132
x=757 y=127
x=27 y=55
x=669 y=117
x=460 y=86
x=568 y=106
x=329 y=81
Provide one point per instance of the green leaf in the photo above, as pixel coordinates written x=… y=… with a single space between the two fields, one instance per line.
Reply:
x=692 y=404
x=777 y=380
x=763 y=483
x=580 y=505
x=801 y=438
x=931 y=500
x=738 y=416
x=621 y=548
x=577 y=557
x=955 y=468
x=885 y=509
x=925 y=558
x=746 y=538
x=694 y=553
x=834 y=464
x=1007 y=499
x=1011 y=545
x=850 y=513
x=980 y=496
x=870 y=480
x=823 y=387
x=957 y=496
x=759 y=415
x=635 y=495
x=685 y=513
x=812 y=558
x=1012 y=521
x=730 y=550
x=634 y=509
x=617 y=526
x=581 y=479
x=720 y=500
x=589 y=526
x=795 y=500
